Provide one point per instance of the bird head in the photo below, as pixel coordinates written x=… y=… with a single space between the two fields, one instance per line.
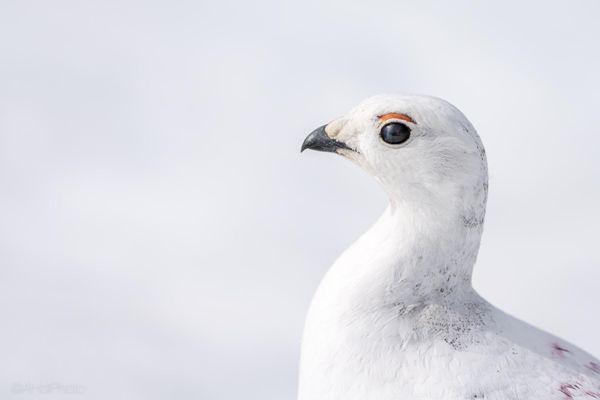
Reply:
x=422 y=150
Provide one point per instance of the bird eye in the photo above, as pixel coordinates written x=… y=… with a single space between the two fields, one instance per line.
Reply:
x=395 y=133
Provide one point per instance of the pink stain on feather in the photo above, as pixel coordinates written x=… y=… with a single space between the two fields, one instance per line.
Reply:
x=568 y=390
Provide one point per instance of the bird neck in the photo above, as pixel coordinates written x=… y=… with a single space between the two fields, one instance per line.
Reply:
x=411 y=255
x=435 y=246
x=432 y=235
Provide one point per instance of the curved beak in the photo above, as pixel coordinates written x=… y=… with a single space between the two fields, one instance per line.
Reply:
x=320 y=141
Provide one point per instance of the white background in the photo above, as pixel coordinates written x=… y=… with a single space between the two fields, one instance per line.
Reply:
x=161 y=234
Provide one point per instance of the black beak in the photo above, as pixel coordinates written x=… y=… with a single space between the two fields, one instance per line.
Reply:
x=318 y=140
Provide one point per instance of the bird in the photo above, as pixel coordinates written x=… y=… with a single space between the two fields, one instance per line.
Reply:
x=396 y=316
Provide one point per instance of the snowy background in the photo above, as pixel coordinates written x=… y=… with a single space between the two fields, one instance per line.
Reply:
x=161 y=235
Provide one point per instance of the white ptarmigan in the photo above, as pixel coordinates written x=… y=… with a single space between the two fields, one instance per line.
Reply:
x=396 y=317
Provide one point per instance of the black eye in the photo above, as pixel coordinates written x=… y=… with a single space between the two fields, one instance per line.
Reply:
x=395 y=133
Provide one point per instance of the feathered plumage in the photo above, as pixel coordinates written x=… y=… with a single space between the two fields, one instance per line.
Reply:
x=396 y=316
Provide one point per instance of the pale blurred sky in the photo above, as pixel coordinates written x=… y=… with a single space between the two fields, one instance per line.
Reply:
x=162 y=236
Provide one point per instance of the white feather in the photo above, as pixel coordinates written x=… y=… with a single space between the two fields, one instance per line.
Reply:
x=396 y=316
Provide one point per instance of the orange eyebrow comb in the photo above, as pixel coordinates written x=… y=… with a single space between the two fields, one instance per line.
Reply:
x=403 y=117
